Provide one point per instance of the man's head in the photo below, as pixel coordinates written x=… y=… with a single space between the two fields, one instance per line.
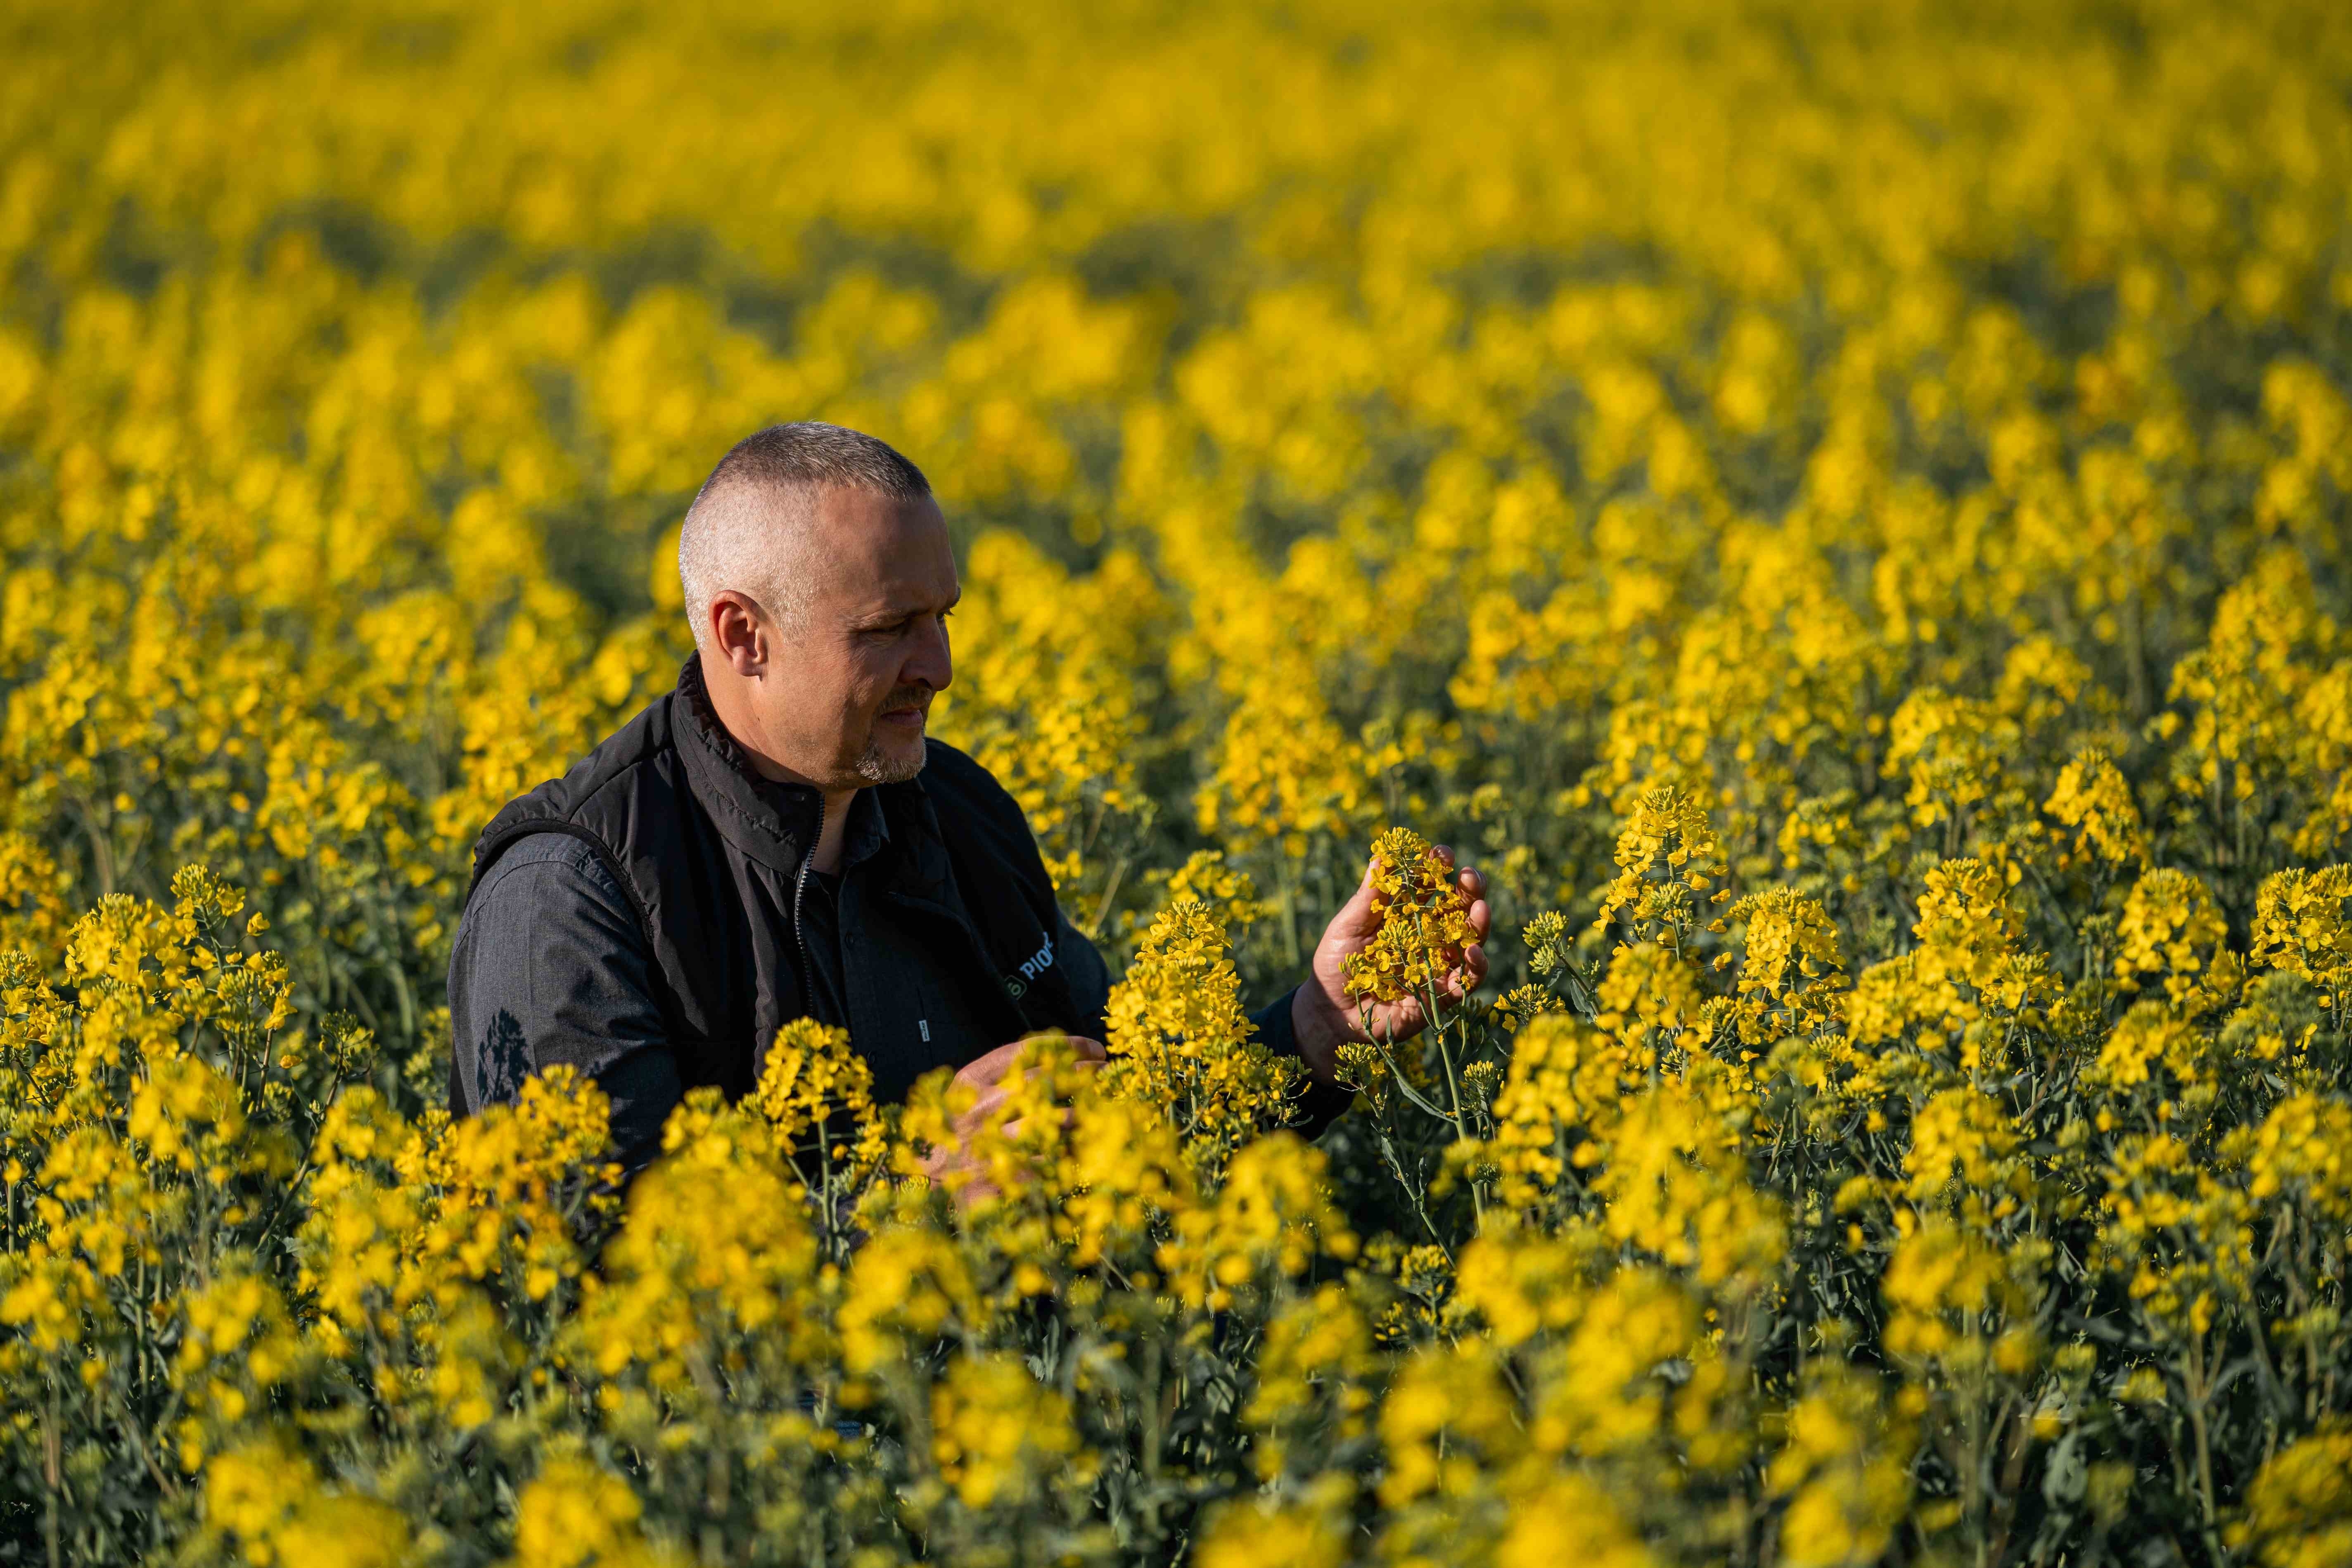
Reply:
x=818 y=577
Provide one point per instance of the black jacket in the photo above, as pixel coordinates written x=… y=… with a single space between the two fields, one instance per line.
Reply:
x=709 y=858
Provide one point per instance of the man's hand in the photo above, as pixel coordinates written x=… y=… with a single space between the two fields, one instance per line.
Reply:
x=1326 y=1016
x=986 y=1077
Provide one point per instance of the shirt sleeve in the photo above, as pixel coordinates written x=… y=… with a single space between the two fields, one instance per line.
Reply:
x=1322 y=1104
x=551 y=967
x=1090 y=976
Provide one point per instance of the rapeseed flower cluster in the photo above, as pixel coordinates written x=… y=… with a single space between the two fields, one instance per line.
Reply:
x=1424 y=923
x=1841 y=511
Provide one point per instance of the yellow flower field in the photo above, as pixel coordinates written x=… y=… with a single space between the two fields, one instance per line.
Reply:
x=1839 y=509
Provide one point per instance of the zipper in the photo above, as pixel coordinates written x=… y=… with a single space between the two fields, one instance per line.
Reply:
x=800 y=893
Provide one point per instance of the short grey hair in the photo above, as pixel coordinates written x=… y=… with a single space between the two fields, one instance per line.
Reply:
x=744 y=529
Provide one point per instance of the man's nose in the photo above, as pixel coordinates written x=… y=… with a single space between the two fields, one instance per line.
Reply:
x=931 y=664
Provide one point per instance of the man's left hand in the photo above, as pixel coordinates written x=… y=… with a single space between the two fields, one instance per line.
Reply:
x=1326 y=1016
x=953 y=1164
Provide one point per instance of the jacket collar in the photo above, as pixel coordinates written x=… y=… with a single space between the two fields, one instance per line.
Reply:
x=775 y=823
x=772 y=823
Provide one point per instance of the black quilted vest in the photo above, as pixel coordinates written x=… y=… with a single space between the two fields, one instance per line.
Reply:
x=711 y=854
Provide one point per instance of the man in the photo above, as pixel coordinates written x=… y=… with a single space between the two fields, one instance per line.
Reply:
x=778 y=838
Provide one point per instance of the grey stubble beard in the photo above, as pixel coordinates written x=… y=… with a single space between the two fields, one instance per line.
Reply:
x=877 y=766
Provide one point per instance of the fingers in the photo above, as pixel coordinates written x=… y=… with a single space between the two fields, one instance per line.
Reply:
x=960 y=1176
x=1012 y=1130
x=1091 y=1055
x=991 y=1099
x=1465 y=977
x=1473 y=883
x=955 y=1165
x=1355 y=916
x=1469 y=969
x=1399 y=1020
x=983 y=1070
x=994 y=1091
x=991 y=1069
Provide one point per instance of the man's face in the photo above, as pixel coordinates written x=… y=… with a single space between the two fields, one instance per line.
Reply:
x=853 y=680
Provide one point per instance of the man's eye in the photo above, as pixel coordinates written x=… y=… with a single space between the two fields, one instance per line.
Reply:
x=903 y=625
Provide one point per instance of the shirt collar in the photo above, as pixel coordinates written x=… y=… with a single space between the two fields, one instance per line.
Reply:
x=868 y=828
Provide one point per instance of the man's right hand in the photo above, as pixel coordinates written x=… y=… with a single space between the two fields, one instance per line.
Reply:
x=985 y=1077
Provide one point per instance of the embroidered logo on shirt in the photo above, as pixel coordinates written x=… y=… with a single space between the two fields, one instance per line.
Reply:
x=1037 y=963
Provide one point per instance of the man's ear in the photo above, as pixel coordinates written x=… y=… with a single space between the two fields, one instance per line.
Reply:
x=738 y=633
